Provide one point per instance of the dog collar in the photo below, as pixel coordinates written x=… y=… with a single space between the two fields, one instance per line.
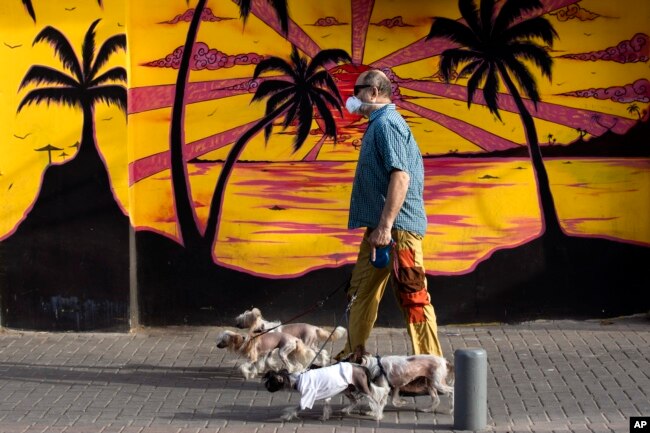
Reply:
x=382 y=371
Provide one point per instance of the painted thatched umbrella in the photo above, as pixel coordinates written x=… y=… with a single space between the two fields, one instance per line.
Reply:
x=49 y=149
x=63 y=155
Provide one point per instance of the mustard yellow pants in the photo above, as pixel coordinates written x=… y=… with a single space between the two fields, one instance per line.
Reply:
x=410 y=285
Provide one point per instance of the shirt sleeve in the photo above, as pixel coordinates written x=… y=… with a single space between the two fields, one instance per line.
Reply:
x=392 y=147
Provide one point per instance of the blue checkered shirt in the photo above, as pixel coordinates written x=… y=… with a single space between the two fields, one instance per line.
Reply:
x=387 y=145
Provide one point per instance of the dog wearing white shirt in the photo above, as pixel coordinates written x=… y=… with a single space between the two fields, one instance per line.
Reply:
x=324 y=383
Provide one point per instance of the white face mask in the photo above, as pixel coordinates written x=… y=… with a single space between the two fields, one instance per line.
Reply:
x=353 y=104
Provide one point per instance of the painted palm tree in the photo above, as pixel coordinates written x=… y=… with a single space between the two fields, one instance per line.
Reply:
x=309 y=88
x=492 y=44
x=85 y=87
x=189 y=232
x=29 y=7
x=634 y=108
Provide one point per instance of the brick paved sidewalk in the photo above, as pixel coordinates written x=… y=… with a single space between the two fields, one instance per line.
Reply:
x=562 y=376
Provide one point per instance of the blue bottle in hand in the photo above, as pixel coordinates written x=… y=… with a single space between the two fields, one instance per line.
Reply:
x=382 y=255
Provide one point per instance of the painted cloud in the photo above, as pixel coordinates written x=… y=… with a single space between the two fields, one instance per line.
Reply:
x=639 y=91
x=204 y=57
x=206 y=15
x=629 y=51
x=574 y=11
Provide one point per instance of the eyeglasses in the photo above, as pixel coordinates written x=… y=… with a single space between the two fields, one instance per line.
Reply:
x=358 y=88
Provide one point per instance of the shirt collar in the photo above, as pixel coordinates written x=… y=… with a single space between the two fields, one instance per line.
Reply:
x=381 y=110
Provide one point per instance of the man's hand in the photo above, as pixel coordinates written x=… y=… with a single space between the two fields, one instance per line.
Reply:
x=379 y=237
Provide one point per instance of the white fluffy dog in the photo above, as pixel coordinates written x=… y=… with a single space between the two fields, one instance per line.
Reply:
x=263 y=351
x=324 y=383
x=311 y=335
x=412 y=375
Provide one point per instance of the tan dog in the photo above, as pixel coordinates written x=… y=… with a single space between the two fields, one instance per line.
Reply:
x=311 y=335
x=261 y=351
x=412 y=375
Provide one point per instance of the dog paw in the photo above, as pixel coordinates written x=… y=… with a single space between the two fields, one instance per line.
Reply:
x=399 y=403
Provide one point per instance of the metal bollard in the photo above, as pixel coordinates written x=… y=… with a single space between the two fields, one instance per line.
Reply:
x=470 y=389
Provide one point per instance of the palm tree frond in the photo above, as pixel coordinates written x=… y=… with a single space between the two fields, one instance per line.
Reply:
x=30 y=9
x=288 y=118
x=305 y=118
x=110 y=46
x=487 y=16
x=62 y=48
x=299 y=63
x=329 y=99
x=491 y=91
x=324 y=79
x=43 y=74
x=533 y=28
x=278 y=98
x=475 y=80
x=291 y=113
x=273 y=64
x=111 y=94
x=282 y=10
x=524 y=78
x=279 y=6
x=534 y=53
x=452 y=57
x=513 y=10
x=469 y=68
x=325 y=56
x=469 y=12
x=61 y=95
x=452 y=30
x=326 y=114
x=244 y=9
x=270 y=87
x=88 y=49
x=114 y=74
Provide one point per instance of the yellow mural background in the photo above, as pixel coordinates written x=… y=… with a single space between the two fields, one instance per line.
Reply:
x=149 y=203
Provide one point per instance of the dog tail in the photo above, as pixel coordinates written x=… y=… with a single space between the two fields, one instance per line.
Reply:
x=339 y=332
x=451 y=376
x=303 y=354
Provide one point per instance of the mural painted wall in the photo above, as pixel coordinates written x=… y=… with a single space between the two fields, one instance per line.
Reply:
x=206 y=165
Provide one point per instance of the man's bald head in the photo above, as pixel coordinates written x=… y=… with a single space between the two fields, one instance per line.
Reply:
x=377 y=79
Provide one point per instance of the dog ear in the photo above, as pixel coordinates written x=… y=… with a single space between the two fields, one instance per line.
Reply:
x=256 y=312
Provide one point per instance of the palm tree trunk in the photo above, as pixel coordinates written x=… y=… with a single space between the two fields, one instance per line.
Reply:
x=190 y=235
x=550 y=222
x=216 y=206
x=88 y=164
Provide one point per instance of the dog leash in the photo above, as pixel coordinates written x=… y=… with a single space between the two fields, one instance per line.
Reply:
x=317 y=304
x=345 y=315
